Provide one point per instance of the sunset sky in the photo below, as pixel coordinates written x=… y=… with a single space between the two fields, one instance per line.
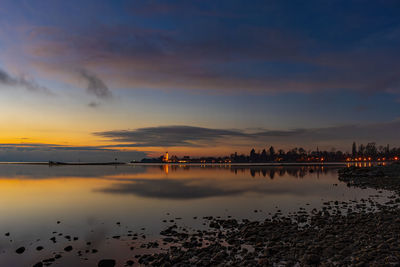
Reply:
x=94 y=80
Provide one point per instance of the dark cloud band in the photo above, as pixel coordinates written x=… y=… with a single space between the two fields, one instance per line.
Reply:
x=189 y=136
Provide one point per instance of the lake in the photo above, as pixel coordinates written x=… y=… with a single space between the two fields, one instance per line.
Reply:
x=104 y=205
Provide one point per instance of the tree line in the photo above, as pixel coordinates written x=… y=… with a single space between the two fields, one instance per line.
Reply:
x=368 y=152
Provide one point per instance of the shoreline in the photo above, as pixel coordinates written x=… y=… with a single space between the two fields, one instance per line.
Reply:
x=181 y=164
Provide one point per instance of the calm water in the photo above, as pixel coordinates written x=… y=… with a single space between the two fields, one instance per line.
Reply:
x=89 y=201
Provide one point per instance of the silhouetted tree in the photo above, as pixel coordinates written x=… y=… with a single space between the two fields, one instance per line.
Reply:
x=354 y=150
x=263 y=157
x=370 y=150
x=272 y=152
x=253 y=156
x=361 y=150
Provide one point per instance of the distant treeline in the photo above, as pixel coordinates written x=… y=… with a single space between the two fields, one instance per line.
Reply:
x=369 y=152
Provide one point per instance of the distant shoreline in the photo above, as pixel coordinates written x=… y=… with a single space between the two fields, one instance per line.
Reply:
x=178 y=164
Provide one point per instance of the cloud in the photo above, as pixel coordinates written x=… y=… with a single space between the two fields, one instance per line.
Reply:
x=95 y=85
x=50 y=152
x=169 y=136
x=21 y=81
x=93 y=104
x=221 y=47
x=189 y=136
x=244 y=58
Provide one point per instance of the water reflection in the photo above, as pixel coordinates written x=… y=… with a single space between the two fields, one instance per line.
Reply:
x=89 y=200
x=265 y=171
x=188 y=182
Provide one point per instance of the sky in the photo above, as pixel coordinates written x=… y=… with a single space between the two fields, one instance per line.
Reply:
x=97 y=80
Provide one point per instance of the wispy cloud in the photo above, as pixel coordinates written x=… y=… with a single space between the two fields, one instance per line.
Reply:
x=21 y=81
x=95 y=85
x=246 y=58
x=219 y=46
x=93 y=104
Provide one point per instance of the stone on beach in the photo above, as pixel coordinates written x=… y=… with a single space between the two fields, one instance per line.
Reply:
x=20 y=250
x=106 y=263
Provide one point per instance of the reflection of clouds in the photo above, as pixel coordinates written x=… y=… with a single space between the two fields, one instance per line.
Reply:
x=203 y=187
x=170 y=189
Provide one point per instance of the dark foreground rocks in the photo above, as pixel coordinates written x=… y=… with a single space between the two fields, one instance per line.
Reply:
x=106 y=263
x=364 y=239
x=20 y=250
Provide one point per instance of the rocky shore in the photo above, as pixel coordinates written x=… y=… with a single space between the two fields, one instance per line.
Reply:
x=378 y=177
x=339 y=235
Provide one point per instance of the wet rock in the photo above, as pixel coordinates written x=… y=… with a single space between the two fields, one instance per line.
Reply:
x=20 y=250
x=106 y=263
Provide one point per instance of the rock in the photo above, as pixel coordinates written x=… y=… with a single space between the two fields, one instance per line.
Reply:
x=311 y=259
x=20 y=250
x=68 y=248
x=106 y=263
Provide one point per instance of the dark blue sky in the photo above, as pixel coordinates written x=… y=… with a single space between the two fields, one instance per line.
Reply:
x=86 y=67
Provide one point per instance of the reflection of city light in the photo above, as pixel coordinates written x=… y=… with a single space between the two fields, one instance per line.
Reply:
x=165 y=167
x=396 y=158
